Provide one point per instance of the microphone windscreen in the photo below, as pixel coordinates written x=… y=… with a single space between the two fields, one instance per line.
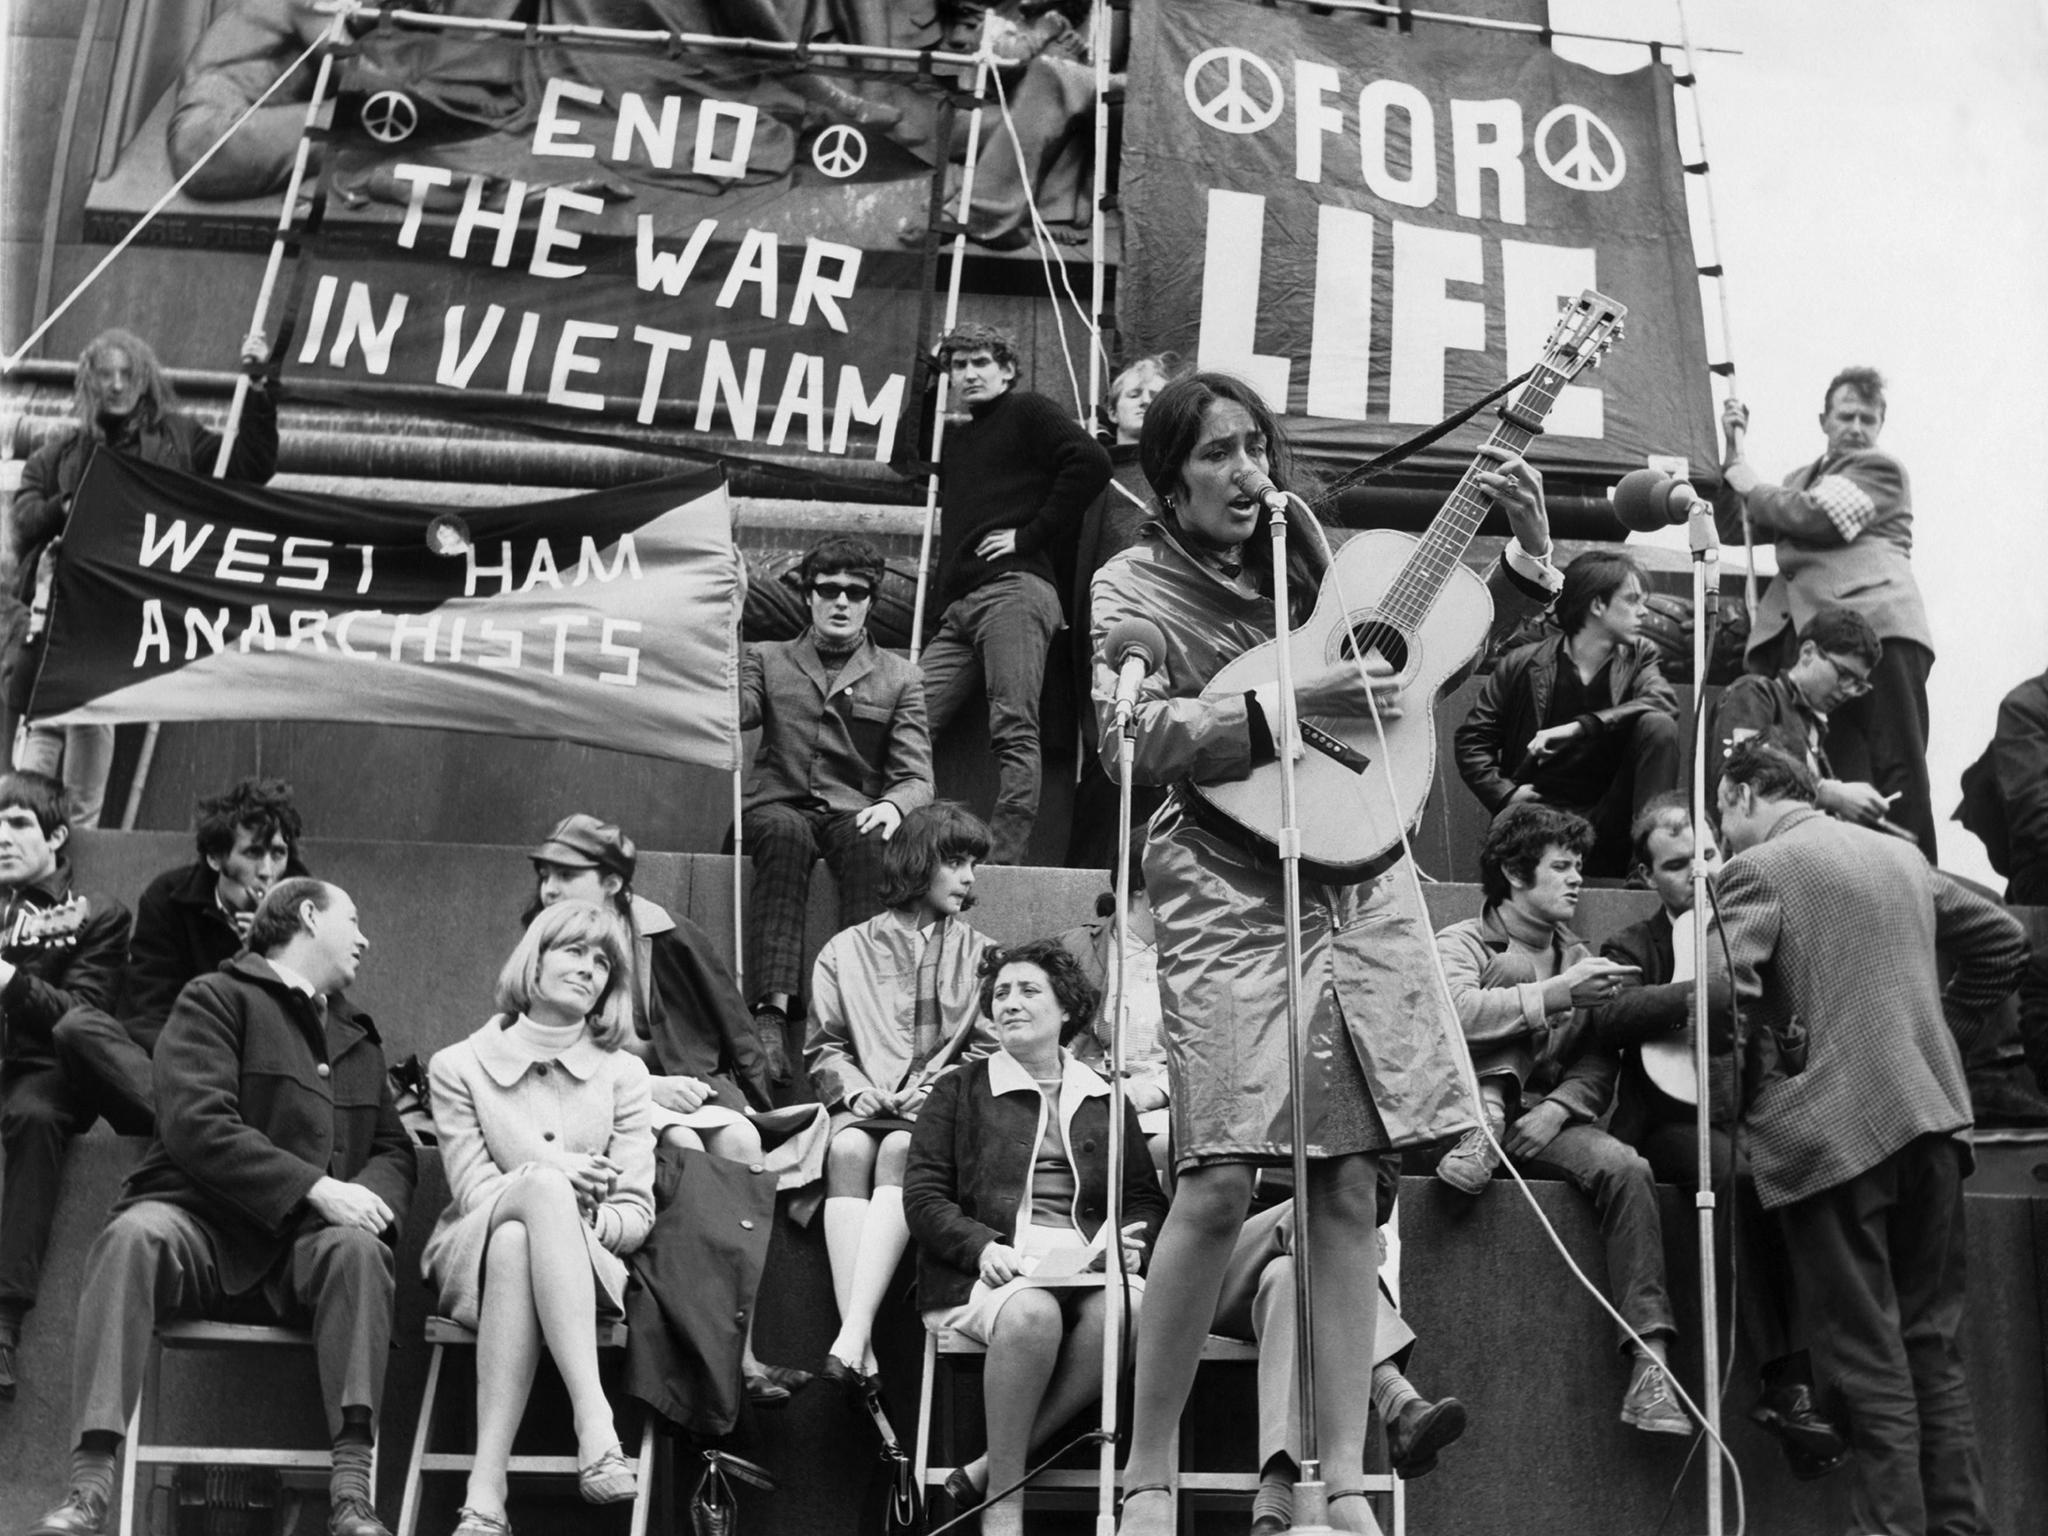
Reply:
x=1253 y=482
x=1136 y=633
x=1643 y=501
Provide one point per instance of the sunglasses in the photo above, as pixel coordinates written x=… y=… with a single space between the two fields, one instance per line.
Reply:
x=855 y=592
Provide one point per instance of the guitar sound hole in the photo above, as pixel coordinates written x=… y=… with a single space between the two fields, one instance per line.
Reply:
x=1372 y=638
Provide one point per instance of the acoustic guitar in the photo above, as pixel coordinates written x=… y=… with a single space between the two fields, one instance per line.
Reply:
x=1415 y=604
x=1669 y=1064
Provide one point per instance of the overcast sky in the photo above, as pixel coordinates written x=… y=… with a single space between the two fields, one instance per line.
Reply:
x=1880 y=178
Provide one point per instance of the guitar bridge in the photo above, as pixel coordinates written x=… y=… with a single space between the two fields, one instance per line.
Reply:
x=1334 y=747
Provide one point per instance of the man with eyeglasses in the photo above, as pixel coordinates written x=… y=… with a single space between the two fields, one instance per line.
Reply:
x=1843 y=526
x=1838 y=652
x=844 y=756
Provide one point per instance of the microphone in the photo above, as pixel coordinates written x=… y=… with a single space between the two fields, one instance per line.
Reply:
x=1260 y=487
x=1135 y=647
x=1647 y=500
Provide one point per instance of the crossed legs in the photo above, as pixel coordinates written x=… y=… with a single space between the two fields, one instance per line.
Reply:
x=537 y=1289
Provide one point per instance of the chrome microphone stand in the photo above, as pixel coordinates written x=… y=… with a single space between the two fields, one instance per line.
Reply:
x=1115 y=1282
x=1311 y=1493
x=1706 y=553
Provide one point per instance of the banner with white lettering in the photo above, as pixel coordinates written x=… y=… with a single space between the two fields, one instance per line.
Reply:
x=614 y=238
x=610 y=620
x=1375 y=227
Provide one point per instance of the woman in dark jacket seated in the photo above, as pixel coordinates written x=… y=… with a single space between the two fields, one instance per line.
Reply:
x=1009 y=1174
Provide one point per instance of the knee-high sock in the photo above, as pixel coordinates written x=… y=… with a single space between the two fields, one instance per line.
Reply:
x=846 y=1216
x=881 y=1247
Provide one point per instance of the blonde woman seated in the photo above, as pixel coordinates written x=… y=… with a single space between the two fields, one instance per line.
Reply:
x=543 y=1123
x=1008 y=1183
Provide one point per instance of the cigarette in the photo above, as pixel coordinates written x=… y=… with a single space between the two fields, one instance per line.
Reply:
x=1893 y=797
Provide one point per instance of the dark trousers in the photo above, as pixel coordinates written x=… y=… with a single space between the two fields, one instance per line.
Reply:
x=2033 y=1014
x=998 y=635
x=1743 y=1230
x=93 y=1068
x=1638 y=764
x=1615 y=1177
x=1881 y=738
x=1879 y=1263
x=157 y=1262
x=785 y=840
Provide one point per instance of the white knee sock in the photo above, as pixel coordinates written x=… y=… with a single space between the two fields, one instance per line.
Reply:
x=881 y=1247
x=845 y=1217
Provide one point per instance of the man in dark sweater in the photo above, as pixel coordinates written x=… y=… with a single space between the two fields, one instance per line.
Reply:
x=1016 y=479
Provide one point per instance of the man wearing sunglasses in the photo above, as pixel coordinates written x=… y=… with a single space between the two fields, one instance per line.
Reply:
x=844 y=756
x=1843 y=526
x=1838 y=653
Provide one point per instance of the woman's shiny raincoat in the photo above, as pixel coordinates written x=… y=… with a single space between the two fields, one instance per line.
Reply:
x=1368 y=975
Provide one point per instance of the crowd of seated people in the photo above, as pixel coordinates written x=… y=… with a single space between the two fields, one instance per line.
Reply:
x=277 y=1174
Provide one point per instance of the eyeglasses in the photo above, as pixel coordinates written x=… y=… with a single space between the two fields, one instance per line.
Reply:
x=1853 y=684
x=855 y=592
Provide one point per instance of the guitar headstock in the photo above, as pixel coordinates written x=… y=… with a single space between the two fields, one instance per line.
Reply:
x=1586 y=328
x=52 y=927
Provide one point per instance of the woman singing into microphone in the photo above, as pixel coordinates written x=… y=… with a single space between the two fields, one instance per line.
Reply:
x=1378 y=1068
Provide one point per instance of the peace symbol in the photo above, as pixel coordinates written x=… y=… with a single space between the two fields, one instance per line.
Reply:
x=1580 y=167
x=839 y=151
x=1232 y=108
x=389 y=117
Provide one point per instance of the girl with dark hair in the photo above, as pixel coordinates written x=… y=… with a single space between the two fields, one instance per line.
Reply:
x=1379 y=1067
x=895 y=1004
x=1009 y=1166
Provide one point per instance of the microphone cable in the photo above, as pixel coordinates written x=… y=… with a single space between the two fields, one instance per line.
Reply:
x=1455 y=1035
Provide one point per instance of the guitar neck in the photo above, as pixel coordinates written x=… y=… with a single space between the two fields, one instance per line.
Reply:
x=1414 y=592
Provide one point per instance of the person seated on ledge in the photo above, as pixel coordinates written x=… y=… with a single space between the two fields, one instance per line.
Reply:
x=1258 y=1304
x=190 y=920
x=895 y=1004
x=710 y=1075
x=278 y=1176
x=65 y=1062
x=1522 y=982
x=1008 y=1179
x=844 y=757
x=1583 y=720
x=543 y=1127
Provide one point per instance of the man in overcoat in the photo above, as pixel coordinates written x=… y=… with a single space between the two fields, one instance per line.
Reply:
x=277 y=1179
x=1857 y=1118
